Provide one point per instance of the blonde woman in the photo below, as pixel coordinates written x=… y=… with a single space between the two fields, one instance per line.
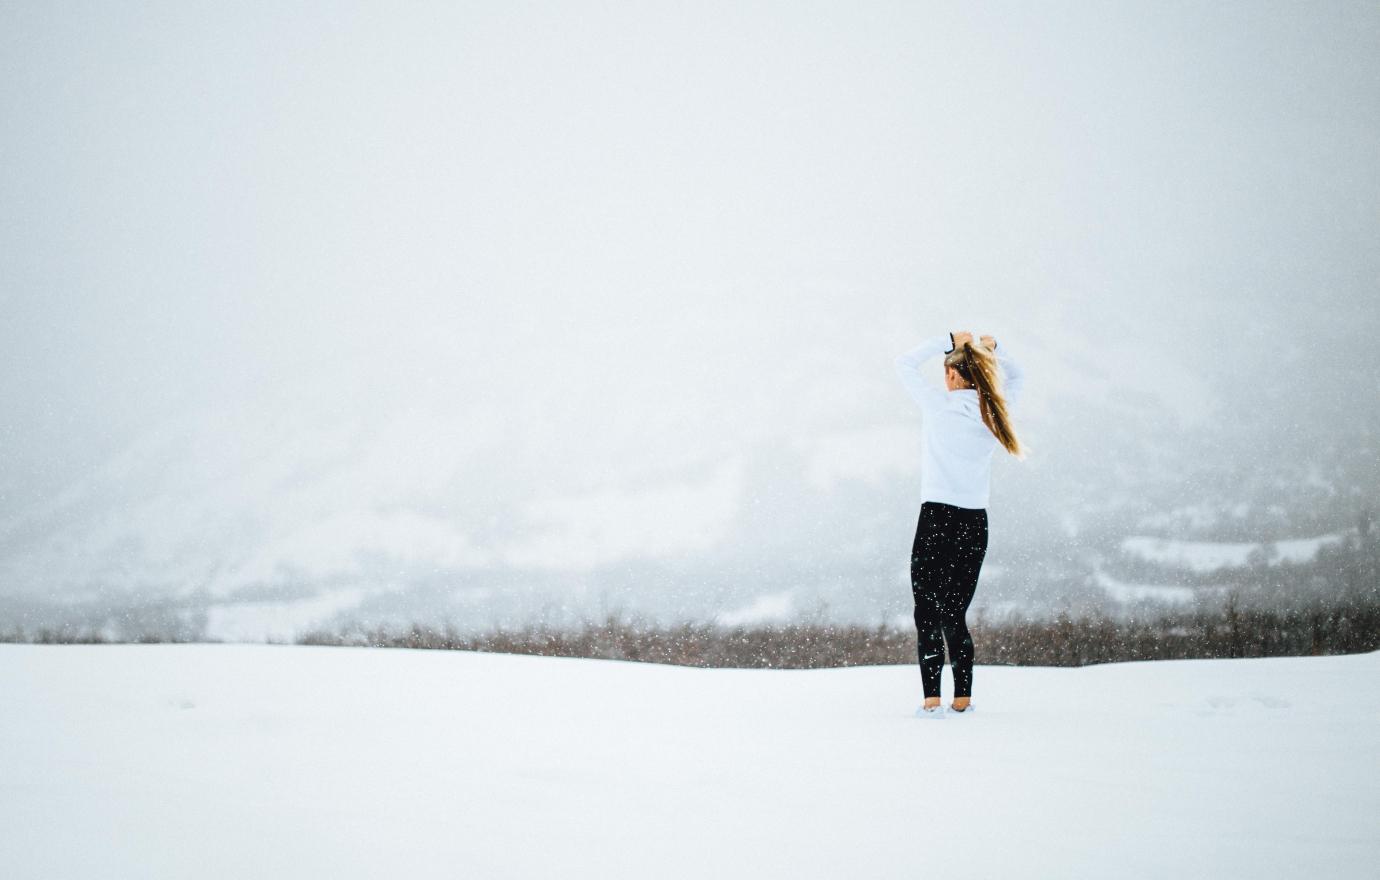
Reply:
x=963 y=424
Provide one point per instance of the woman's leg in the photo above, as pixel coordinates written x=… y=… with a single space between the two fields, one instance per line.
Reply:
x=925 y=569
x=969 y=547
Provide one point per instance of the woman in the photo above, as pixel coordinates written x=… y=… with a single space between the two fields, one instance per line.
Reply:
x=962 y=426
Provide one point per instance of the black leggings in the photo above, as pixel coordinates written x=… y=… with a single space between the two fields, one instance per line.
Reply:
x=945 y=559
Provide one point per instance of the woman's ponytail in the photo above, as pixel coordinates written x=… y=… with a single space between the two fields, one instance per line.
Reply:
x=978 y=365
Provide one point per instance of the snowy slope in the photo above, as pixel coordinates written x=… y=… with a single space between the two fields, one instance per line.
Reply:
x=1209 y=556
x=258 y=760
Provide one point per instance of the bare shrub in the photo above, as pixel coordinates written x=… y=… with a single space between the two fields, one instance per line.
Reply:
x=1343 y=627
x=1066 y=640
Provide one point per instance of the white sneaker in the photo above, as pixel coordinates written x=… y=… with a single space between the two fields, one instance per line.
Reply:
x=936 y=712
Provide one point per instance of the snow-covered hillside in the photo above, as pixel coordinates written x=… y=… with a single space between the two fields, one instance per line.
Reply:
x=229 y=761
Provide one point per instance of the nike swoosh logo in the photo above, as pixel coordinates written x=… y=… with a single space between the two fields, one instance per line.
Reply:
x=930 y=656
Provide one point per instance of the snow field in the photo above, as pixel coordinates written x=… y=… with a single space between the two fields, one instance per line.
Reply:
x=159 y=761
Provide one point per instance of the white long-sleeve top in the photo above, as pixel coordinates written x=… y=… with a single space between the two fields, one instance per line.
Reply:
x=955 y=446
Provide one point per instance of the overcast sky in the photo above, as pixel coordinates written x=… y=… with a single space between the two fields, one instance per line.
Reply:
x=606 y=232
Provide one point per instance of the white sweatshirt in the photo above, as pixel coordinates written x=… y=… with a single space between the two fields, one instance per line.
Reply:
x=955 y=446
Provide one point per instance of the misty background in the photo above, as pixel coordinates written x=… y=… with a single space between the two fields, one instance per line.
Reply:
x=487 y=313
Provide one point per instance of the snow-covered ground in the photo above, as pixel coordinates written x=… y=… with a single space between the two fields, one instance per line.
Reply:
x=281 y=620
x=173 y=761
x=1209 y=556
x=1122 y=591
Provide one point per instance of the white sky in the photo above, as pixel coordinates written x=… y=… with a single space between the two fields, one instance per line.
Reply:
x=612 y=237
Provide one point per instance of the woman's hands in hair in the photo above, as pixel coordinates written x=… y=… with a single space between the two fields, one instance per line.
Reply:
x=960 y=336
x=989 y=342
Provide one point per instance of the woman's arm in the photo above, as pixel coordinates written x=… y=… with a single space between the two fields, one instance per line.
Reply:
x=908 y=368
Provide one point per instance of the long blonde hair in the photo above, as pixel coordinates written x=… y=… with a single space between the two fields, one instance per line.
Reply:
x=978 y=365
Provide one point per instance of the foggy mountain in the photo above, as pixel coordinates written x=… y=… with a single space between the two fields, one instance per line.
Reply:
x=460 y=315
x=310 y=516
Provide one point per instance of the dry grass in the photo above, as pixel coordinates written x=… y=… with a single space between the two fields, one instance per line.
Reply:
x=1063 y=641
x=1346 y=627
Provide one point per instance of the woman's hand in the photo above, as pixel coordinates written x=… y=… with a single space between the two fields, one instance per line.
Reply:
x=960 y=337
x=989 y=342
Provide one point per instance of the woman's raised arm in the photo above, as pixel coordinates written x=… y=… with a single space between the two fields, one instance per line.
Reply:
x=908 y=368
